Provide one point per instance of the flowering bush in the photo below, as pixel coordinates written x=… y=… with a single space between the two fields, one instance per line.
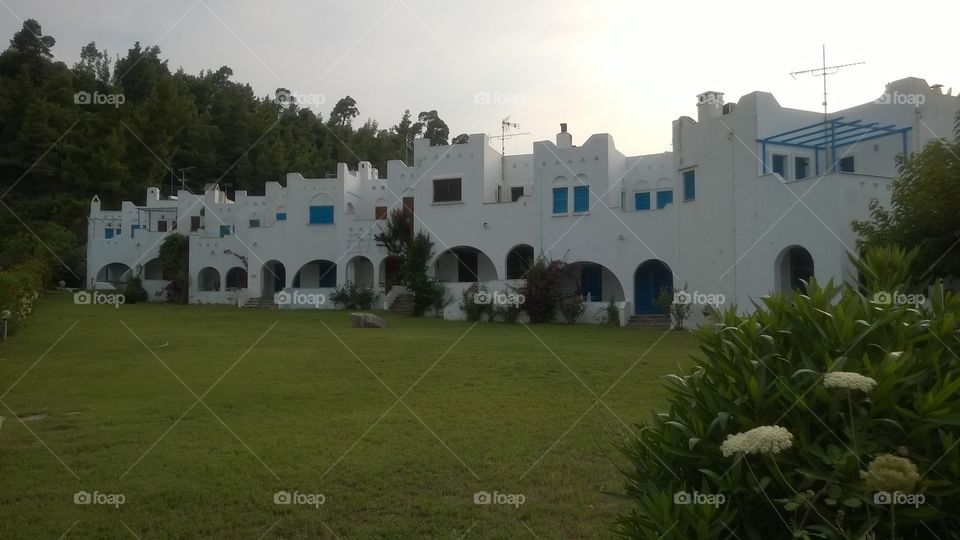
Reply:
x=19 y=289
x=542 y=289
x=824 y=414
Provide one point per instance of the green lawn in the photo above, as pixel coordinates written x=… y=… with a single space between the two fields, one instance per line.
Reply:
x=298 y=402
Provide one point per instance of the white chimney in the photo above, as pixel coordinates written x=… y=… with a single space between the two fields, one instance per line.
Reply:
x=709 y=105
x=564 y=139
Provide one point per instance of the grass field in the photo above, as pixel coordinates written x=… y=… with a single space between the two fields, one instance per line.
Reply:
x=199 y=415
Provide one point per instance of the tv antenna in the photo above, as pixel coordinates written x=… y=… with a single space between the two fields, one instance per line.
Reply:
x=182 y=178
x=824 y=71
x=505 y=126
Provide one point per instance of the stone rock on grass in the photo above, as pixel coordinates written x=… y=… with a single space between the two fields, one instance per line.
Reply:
x=367 y=320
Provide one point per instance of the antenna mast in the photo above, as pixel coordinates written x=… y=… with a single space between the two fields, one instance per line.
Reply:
x=824 y=72
x=505 y=125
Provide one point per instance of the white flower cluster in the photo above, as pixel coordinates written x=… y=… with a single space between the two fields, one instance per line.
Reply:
x=759 y=440
x=848 y=380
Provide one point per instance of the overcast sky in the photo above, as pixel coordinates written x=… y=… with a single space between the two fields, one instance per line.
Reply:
x=627 y=68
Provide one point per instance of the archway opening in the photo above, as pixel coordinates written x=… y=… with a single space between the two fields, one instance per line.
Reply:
x=273 y=278
x=519 y=260
x=389 y=272
x=318 y=274
x=794 y=268
x=360 y=272
x=115 y=273
x=208 y=280
x=237 y=278
x=464 y=264
x=649 y=280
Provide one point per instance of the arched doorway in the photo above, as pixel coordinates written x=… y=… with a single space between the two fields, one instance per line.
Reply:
x=360 y=271
x=318 y=274
x=794 y=266
x=208 y=280
x=115 y=273
x=153 y=270
x=464 y=264
x=519 y=260
x=649 y=279
x=236 y=278
x=273 y=278
x=389 y=272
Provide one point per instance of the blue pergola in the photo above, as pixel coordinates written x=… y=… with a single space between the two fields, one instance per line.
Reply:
x=829 y=135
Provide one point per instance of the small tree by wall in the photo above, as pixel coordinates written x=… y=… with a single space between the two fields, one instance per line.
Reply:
x=175 y=261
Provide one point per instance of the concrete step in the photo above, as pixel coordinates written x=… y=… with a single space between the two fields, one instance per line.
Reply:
x=649 y=321
x=402 y=304
x=260 y=303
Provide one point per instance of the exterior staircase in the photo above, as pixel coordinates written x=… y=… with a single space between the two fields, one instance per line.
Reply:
x=402 y=304
x=264 y=302
x=648 y=321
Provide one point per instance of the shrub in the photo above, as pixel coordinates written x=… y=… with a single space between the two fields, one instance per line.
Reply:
x=798 y=414
x=508 y=313
x=19 y=289
x=543 y=289
x=353 y=296
x=471 y=308
x=134 y=291
x=175 y=259
x=572 y=308
x=678 y=312
x=611 y=313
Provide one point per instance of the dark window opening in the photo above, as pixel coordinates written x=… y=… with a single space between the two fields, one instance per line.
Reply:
x=447 y=190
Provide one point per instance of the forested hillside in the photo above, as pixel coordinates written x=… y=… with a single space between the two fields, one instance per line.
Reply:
x=113 y=124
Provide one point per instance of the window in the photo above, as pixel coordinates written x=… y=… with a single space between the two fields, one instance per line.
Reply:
x=846 y=164
x=664 y=198
x=226 y=230
x=801 y=166
x=581 y=199
x=689 y=185
x=516 y=193
x=281 y=216
x=380 y=212
x=254 y=223
x=446 y=190
x=194 y=223
x=321 y=215
x=108 y=233
x=560 y=200
x=641 y=201
x=779 y=164
x=161 y=226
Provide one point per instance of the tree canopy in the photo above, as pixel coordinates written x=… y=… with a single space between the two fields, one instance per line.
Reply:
x=113 y=126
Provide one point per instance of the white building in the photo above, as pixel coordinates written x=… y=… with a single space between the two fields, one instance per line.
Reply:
x=754 y=198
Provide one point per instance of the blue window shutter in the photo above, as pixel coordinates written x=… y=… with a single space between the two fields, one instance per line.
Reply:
x=581 y=199
x=641 y=201
x=281 y=216
x=108 y=233
x=664 y=198
x=689 y=185
x=321 y=215
x=225 y=230
x=560 y=200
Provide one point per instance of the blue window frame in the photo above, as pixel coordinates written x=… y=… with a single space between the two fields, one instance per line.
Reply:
x=581 y=199
x=641 y=201
x=328 y=275
x=689 y=185
x=321 y=215
x=779 y=164
x=225 y=230
x=664 y=198
x=559 y=200
x=281 y=216
x=133 y=230
x=108 y=233
x=801 y=166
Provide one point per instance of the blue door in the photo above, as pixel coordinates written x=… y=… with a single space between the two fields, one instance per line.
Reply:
x=591 y=282
x=650 y=279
